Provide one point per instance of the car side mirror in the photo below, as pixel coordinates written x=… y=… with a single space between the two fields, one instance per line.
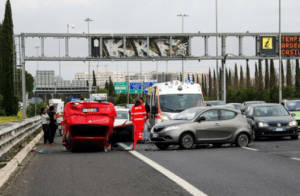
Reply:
x=154 y=110
x=293 y=114
x=201 y=118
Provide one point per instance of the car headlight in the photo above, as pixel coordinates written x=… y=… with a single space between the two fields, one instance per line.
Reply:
x=293 y=124
x=171 y=128
x=164 y=117
x=262 y=124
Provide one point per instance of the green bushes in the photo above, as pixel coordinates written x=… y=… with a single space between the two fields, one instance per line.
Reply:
x=31 y=108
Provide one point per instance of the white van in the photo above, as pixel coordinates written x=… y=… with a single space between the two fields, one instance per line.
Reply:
x=170 y=98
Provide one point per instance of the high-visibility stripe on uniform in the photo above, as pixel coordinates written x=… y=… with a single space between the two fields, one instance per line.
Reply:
x=138 y=119
x=138 y=113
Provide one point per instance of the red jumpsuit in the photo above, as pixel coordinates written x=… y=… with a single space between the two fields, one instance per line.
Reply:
x=138 y=117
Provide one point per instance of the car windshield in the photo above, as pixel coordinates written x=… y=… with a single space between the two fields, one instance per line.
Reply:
x=188 y=114
x=293 y=105
x=122 y=115
x=179 y=102
x=262 y=111
x=213 y=103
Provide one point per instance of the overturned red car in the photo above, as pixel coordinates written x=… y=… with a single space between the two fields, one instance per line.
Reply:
x=90 y=124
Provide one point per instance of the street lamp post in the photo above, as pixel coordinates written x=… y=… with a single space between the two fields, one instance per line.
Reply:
x=280 y=74
x=217 y=69
x=182 y=16
x=88 y=20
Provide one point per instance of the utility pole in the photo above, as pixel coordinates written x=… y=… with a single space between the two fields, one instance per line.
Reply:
x=182 y=16
x=88 y=20
x=217 y=69
x=280 y=72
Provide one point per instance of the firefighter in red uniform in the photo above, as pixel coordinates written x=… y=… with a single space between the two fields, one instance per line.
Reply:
x=139 y=117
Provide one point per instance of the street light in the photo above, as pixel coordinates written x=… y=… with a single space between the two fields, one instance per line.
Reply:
x=37 y=54
x=224 y=75
x=182 y=16
x=88 y=20
x=217 y=69
x=280 y=74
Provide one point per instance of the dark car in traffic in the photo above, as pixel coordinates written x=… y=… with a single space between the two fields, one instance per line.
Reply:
x=269 y=120
x=203 y=125
x=214 y=103
x=246 y=104
x=237 y=106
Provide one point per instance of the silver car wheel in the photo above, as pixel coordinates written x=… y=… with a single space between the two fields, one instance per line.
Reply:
x=187 y=141
x=242 y=140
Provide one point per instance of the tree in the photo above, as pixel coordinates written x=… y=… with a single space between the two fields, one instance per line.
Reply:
x=220 y=80
x=260 y=77
x=106 y=86
x=111 y=88
x=256 y=79
x=288 y=73
x=210 y=84
x=267 y=77
x=215 y=85
x=10 y=102
x=297 y=76
x=248 y=75
x=236 y=78
x=242 y=82
x=1 y=65
x=205 y=85
x=30 y=111
x=94 y=79
x=227 y=79
x=198 y=79
x=103 y=90
x=272 y=74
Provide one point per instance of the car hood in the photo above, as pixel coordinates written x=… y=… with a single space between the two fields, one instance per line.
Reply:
x=172 y=123
x=274 y=119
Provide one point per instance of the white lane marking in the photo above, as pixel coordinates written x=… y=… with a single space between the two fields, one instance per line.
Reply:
x=297 y=159
x=250 y=148
x=181 y=182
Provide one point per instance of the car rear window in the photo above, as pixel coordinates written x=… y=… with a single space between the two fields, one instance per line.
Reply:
x=226 y=115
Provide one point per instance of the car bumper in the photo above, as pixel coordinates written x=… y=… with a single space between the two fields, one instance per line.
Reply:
x=273 y=131
x=165 y=137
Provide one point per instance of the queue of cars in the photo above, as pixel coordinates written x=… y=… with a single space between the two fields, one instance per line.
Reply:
x=233 y=123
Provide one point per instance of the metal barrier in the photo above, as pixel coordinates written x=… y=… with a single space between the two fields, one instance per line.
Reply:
x=14 y=132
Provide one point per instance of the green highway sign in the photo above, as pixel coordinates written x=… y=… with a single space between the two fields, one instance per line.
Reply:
x=120 y=87
x=135 y=88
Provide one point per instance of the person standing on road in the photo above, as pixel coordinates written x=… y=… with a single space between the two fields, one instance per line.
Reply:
x=139 y=117
x=45 y=123
x=147 y=107
x=52 y=124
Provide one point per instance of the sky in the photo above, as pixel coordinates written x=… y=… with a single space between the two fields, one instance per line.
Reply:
x=151 y=16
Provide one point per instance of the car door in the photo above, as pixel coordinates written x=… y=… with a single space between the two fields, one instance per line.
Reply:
x=227 y=125
x=206 y=130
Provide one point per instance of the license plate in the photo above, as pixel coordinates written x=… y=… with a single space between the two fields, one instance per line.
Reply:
x=279 y=129
x=154 y=135
x=90 y=110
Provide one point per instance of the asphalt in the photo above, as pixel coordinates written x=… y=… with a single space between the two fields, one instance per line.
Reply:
x=237 y=171
x=86 y=173
x=265 y=168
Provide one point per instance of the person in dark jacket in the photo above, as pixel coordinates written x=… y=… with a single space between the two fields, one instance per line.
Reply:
x=147 y=107
x=52 y=124
x=45 y=123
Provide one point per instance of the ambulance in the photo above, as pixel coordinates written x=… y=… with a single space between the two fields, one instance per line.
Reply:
x=170 y=98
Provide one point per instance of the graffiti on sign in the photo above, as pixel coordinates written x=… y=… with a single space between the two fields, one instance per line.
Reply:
x=158 y=47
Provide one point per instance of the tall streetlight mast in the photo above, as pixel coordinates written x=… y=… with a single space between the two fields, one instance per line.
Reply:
x=280 y=72
x=182 y=16
x=217 y=69
x=88 y=20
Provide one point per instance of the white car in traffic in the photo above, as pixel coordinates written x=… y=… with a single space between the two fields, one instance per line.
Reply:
x=123 y=117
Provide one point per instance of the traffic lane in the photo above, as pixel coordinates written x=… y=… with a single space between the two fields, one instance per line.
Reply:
x=230 y=170
x=88 y=173
x=279 y=146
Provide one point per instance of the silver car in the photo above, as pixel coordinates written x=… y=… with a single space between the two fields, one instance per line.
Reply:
x=203 y=125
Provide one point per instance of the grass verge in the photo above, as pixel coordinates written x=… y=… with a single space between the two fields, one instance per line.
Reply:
x=7 y=119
